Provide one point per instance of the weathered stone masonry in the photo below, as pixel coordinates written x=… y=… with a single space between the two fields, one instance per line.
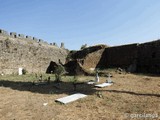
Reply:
x=35 y=57
x=142 y=58
x=120 y=56
x=149 y=57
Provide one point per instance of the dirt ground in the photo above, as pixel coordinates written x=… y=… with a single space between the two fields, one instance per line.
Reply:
x=130 y=97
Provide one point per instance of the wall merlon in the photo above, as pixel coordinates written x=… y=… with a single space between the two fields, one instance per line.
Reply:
x=40 y=40
x=29 y=37
x=13 y=34
x=62 y=45
x=35 y=39
x=55 y=44
x=21 y=35
x=1 y=31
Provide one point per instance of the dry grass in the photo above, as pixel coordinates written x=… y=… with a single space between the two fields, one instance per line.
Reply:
x=131 y=94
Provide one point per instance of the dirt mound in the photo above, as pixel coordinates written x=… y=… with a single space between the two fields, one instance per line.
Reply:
x=82 y=61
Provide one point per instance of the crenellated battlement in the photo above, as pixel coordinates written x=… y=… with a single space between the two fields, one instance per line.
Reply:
x=27 y=37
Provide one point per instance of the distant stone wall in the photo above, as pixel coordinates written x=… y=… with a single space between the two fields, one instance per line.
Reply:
x=19 y=52
x=149 y=57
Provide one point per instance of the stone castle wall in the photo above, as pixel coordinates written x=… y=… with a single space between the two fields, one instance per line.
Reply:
x=121 y=55
x=142 y=58
x=35 y=55
x=26 y=37
x=149 y=57
x=28 y=52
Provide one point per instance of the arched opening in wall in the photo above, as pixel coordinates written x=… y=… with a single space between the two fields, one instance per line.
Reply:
x=51 y=68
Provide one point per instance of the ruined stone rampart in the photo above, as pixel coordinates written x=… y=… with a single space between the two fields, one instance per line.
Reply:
x=20 y=51
x=142 y=58
x=88 y=57
x=35 y=55
x=84 y=52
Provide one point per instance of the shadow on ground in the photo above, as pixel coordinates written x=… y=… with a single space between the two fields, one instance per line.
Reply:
x=52 y=88
x=63 y=87
x=133 y=93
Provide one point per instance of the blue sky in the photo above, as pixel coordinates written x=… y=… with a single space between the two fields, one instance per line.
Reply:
x=77 y=22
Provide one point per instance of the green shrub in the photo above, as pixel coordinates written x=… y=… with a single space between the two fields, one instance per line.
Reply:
x=24 y=71
x=59 y=71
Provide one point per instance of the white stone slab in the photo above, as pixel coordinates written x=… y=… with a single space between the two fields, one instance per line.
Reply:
x=20 y=71
x=104 y=85
x=70 y=98
x=91 y=82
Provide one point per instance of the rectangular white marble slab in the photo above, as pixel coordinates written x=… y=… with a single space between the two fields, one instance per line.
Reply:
x=103 y=85
x=70 y=98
